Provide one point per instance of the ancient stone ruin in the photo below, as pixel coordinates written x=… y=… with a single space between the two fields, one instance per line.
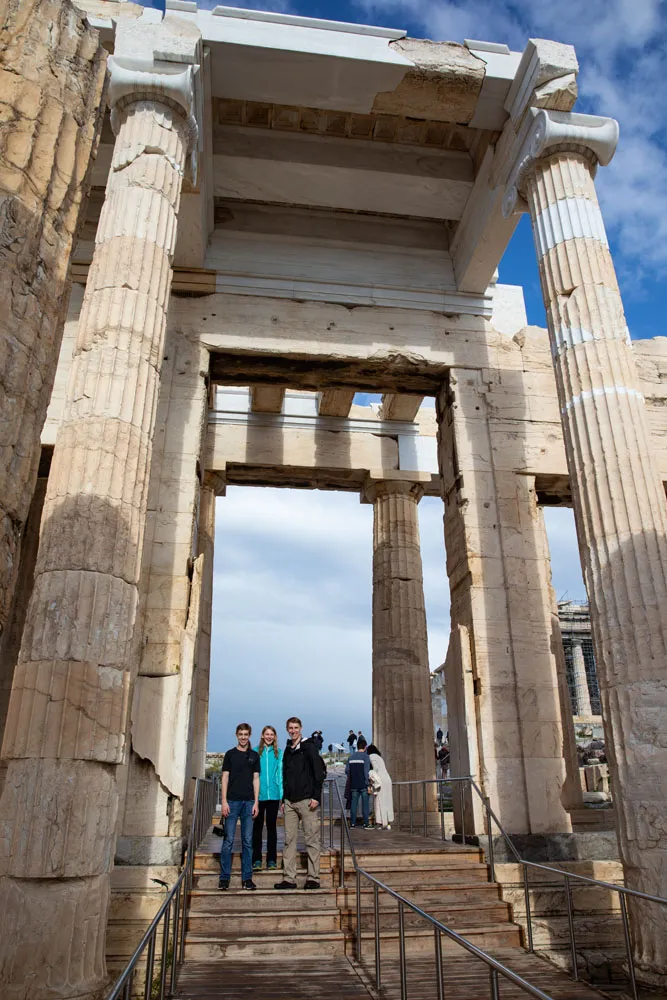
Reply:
x=282 y=213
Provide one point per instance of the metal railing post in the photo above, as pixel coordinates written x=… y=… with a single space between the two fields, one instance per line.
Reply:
x=358 y=916
x=150 y=963
x=424 y=808
x=331 y=818
x=165 y=951
x=376 y=908
x=440 y=982
x=410 y=801
x=495 y=993
x=342 y=852
x=441 y=809
x=529 y=915
x=174 y=939
x=628 y=946
x=463 y=812
x=489 y=827
x=570 y=921
x=401 y=952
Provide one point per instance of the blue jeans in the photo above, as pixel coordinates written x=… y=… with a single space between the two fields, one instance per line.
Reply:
x=242 y=811
x=356 y=794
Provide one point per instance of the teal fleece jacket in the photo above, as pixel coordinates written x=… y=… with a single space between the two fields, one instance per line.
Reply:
x=270 y=774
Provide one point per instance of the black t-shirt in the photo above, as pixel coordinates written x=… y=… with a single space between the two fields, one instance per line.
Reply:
x=241 y=764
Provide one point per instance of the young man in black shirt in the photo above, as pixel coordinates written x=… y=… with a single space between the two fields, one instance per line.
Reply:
x=240 y=792
x=304 y=772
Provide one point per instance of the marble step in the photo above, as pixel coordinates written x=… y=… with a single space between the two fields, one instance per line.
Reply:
x=420 y=941
x=424 y=894
x=263 y=879
x=268 y=900
x=211 y=948
x=254 y=919
x=465 y=914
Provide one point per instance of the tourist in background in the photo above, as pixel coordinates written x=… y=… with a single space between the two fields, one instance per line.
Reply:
x=351 y=740
x=270 y=797
x=382 y=788
x=358 y=770
x=439 y=735
x=240 y=794
x=304 y=772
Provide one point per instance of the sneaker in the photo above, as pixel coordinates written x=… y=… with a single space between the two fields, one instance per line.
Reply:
x=272 y=866
x=248 y=884
x=311 y=884
x=367 y=826
x=223 y=883
x=285 y=885
x=257 y=866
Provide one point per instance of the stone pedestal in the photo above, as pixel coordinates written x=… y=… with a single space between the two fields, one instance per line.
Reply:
x=402 y=717
x=619 y=501
x=66 y=728
x=51 y=87
x=582 y=696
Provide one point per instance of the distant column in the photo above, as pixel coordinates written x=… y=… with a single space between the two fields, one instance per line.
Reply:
x=582 y=698
x=619 y=500
x=402 y=715
x=66 y=728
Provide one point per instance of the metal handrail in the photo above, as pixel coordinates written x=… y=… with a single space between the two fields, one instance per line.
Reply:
x=491 y=818
x=171 y=916
x=495 y=967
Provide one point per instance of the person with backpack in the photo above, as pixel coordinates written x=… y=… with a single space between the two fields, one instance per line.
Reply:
x=270 y=797
x=304 y=772
x=357 y=770
x=240 y=792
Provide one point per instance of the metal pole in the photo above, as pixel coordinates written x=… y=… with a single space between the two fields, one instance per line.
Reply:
x=322 y=819
x=570 y=920
x=401 y=951
x=150 y=962
x=174 y=938
x=331 y=818
x=186 y=896
x=489 y=827
x=441 y=809
x=127 y=989
x=376 y=907
x=628 y=945
x=424 y=808
x=410 y=788
x=358 y=916
x=462 y=807
x=494 y=984
x=529 y=915
x=439 y=978
x=165 y=951
x=342 y=851
x=398 y=804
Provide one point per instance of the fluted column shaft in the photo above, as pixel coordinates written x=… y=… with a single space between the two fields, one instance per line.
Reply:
x=582 y=697
x=402 y=715
x=66 y=728
x=620 y=513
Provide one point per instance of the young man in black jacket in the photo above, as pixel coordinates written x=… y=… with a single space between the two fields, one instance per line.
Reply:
x=304 y=772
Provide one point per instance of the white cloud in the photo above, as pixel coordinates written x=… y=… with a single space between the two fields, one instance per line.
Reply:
x=622 y=50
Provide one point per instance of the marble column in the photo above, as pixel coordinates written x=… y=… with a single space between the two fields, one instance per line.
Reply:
x=582 y=697
x=205 y=548
x=402 y=716
x=53 y=71
x=65 y=737
x=619 y=501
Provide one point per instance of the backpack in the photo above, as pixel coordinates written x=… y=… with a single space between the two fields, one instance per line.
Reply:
x=319 y=770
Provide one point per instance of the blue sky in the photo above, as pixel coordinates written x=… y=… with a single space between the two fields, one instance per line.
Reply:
x=293 y=569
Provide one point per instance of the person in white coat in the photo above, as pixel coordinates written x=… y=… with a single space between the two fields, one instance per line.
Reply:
x=381 y=784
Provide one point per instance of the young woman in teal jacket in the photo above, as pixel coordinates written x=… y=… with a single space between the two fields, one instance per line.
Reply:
x=270 y=798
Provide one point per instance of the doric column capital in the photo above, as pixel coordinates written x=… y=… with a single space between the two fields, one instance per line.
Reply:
x=376 y=489
x=551 y=132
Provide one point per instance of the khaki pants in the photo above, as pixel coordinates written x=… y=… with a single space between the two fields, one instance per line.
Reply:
x=310 y=820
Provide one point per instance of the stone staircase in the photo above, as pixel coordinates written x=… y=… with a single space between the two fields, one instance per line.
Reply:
x=449 y=881
x=242 y=944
